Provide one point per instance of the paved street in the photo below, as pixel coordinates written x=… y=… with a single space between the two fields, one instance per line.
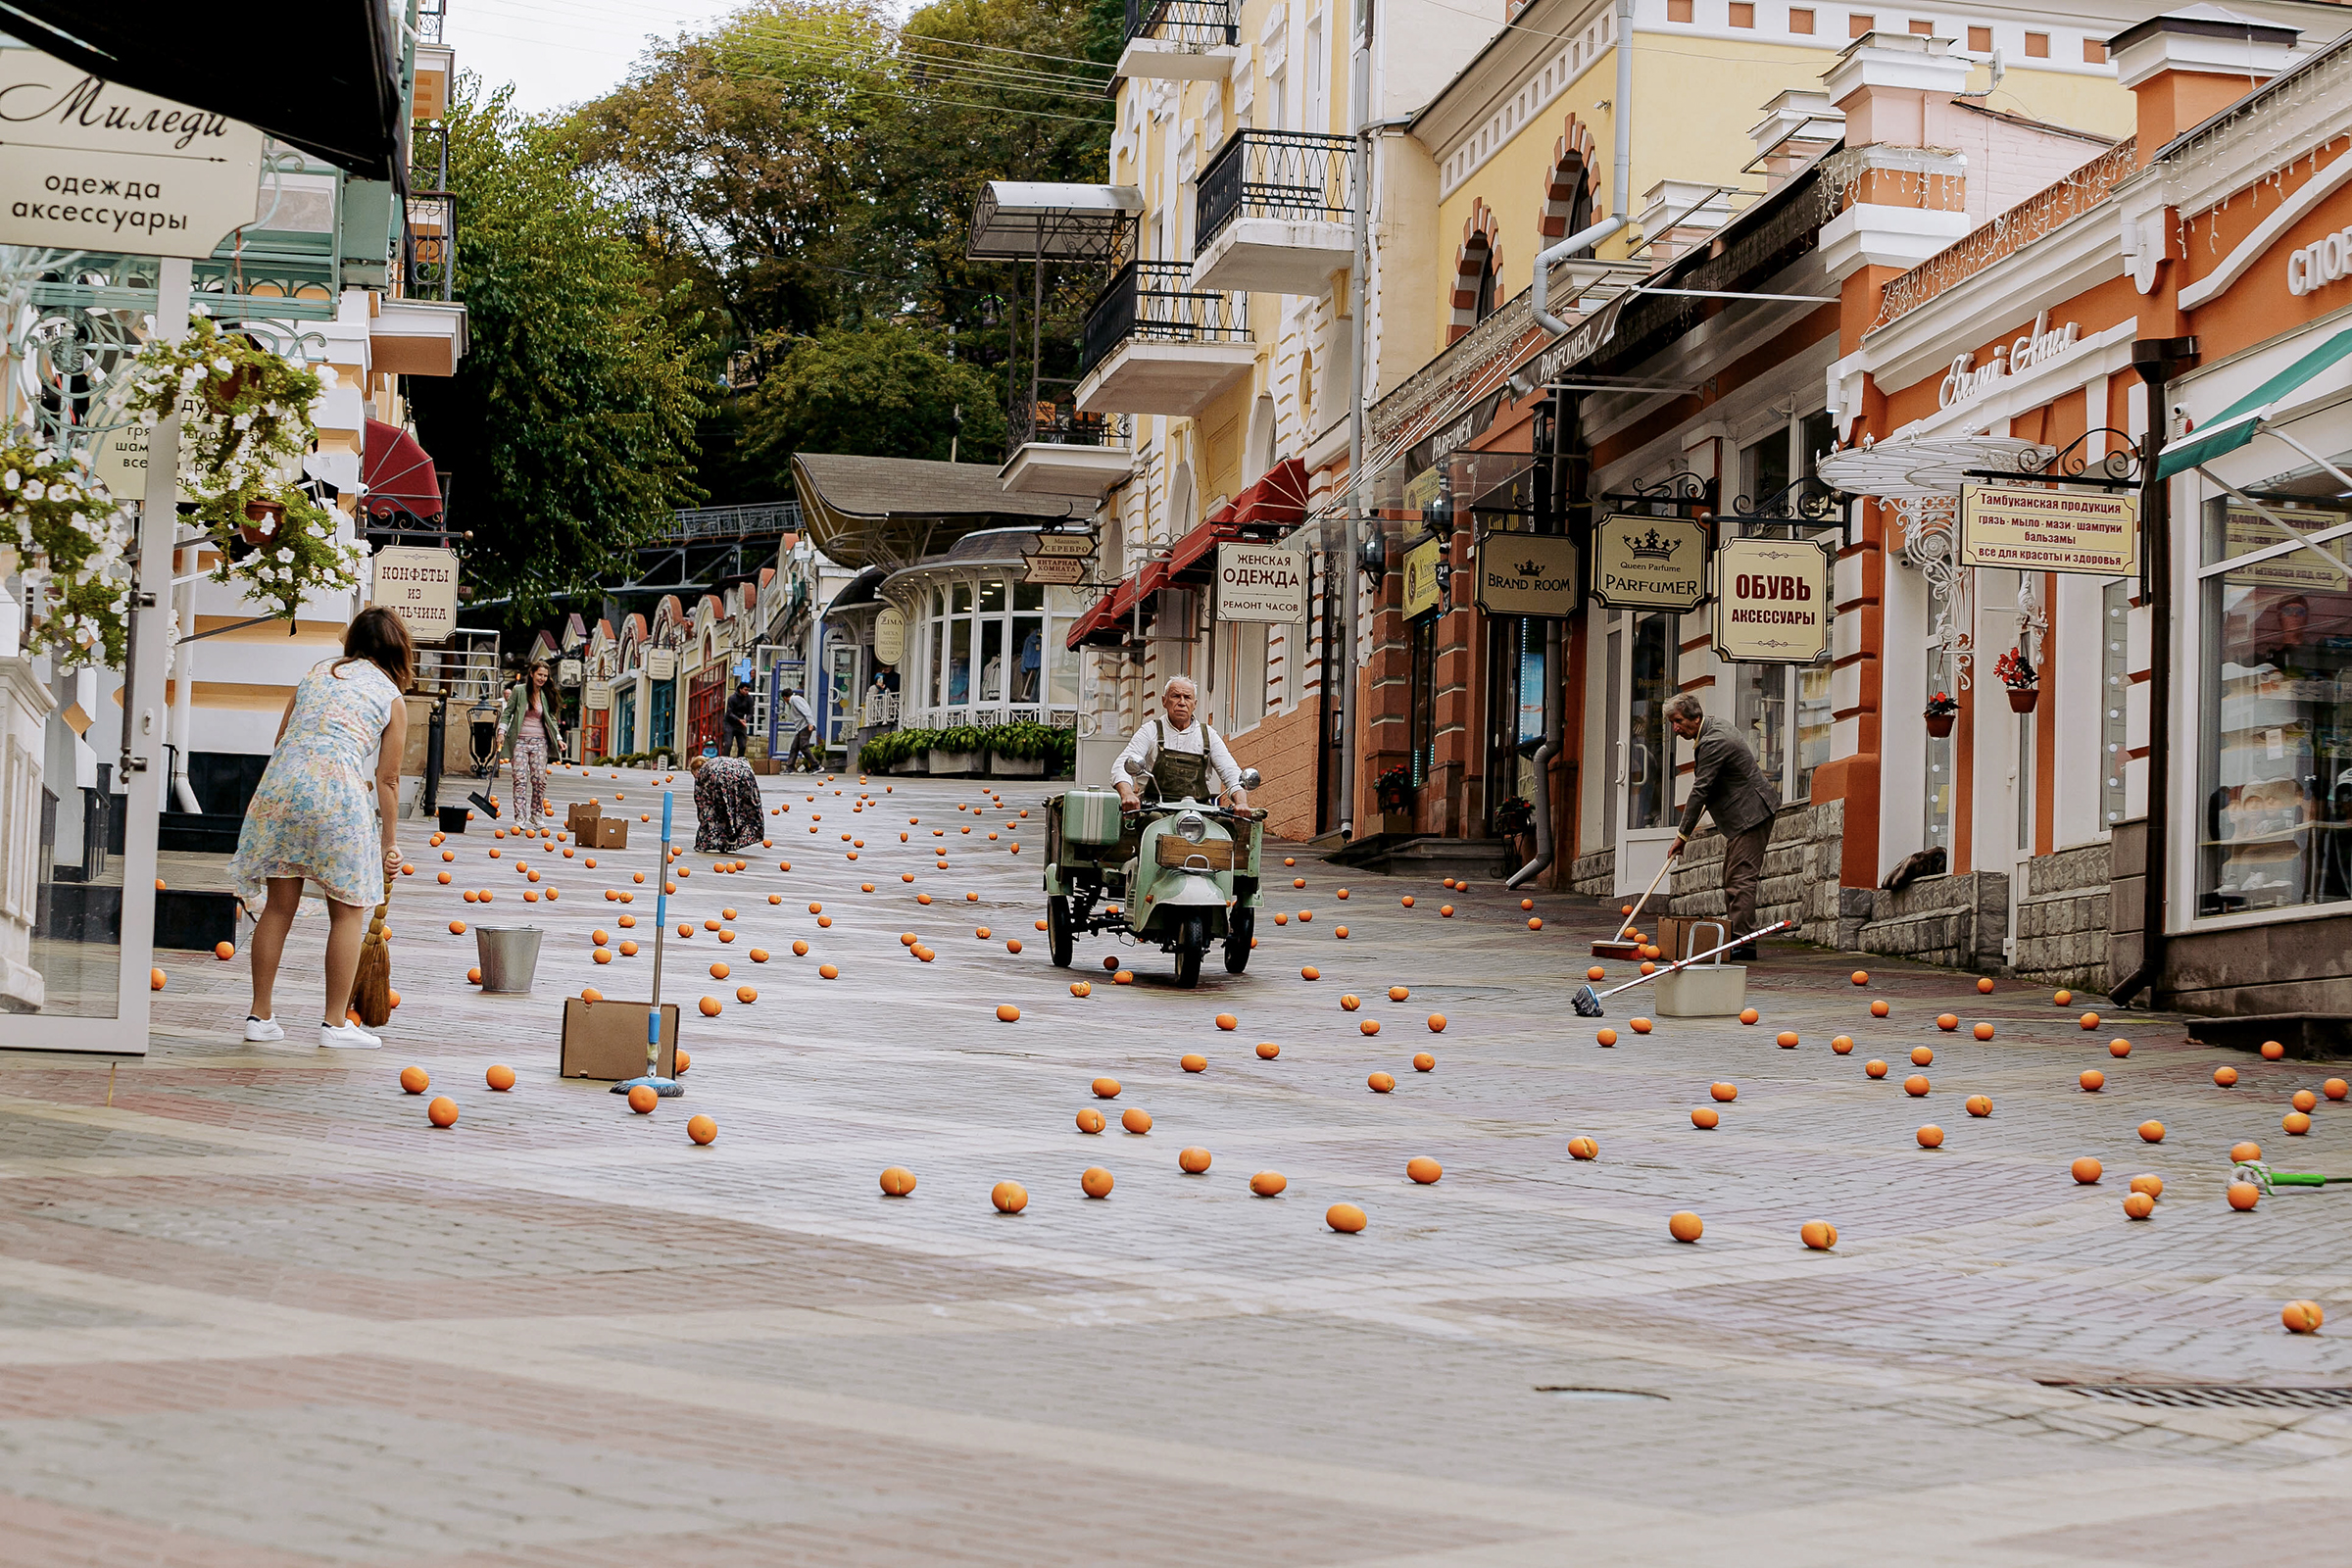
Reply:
x=260 y=1313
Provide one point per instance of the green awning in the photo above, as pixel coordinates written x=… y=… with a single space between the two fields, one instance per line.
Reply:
x=2239 y=422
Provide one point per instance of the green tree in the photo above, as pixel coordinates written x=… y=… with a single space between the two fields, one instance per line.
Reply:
x=568 y=429
x=882 y=390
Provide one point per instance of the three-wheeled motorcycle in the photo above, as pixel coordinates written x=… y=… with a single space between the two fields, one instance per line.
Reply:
x=1177 y=874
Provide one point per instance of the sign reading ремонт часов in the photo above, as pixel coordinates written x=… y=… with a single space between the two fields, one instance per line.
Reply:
x=1261 y=583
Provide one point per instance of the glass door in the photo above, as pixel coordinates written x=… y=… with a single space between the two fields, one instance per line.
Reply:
x=1645 y=768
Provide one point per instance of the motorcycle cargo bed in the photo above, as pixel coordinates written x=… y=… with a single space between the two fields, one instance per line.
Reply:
x=1172 y=849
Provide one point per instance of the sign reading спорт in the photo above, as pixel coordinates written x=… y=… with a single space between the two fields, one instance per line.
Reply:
x=88 y=165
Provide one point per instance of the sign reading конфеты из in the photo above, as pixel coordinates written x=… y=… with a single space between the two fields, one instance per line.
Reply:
x=92 y=166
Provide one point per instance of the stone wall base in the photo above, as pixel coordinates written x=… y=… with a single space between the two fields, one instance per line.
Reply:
x=2064 y=920
x=1957 y=922
x=1800 y=877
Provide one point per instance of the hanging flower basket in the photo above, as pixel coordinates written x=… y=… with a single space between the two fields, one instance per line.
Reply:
x=262 y=519
x=2023 y=698
x=2019 y=676
x=71 y=540
x=1942 y=711
x=1940 y=724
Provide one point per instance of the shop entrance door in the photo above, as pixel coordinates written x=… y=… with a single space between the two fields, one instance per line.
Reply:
x=1642 y=770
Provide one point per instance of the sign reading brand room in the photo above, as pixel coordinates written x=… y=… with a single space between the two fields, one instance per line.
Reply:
x=1772 y=601
x=1527 y=574
x=421 y=587
x=1649 y=562
x=1261 y=583
x=2031 y=528
x=92 y=166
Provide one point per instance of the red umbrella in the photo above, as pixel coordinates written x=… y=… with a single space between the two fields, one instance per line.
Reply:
x=399 y=476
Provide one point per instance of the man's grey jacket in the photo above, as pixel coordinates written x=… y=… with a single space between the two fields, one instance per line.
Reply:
x=1726 y=783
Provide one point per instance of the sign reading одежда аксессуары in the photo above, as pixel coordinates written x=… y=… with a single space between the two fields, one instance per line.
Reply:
x=1644 y=562
x=92 y=166
x=421 y=587
x=1261 y=583
x=1772 y=601
x=2036 y=528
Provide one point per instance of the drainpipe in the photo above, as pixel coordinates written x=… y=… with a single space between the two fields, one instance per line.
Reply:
x=2156 y=360
x=183 y=699
x=1621 y=174
x=1554 y=719
x=1358 y=287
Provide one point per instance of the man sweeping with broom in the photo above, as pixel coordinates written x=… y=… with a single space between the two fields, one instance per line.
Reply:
x=1726 y=783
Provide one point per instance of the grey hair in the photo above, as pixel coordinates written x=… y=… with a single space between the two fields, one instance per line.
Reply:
x=1685 y=705
x=1174 y=682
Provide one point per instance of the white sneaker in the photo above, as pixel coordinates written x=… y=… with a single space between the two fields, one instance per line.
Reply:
x=347 y=1037
x=259 y=1031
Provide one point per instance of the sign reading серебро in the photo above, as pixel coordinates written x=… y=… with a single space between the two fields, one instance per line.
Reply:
x=2031 y=528
x=92 y=166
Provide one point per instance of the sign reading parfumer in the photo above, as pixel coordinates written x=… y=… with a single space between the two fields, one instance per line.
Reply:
x=1527 y=574
x=1261 y=583
x=96 y=166
x=1423 y=592
x=1772 y=601
x=2031 y=528
x=421 y=586
x=1649 y=562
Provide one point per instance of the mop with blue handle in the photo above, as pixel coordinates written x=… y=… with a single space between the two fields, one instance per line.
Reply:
x=667 y=1088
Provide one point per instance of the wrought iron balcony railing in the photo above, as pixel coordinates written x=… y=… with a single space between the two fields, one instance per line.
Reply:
x=1297 y=175
x=429 y=252
x=1062 y=426
x=1152 y=300
x=1194 y=24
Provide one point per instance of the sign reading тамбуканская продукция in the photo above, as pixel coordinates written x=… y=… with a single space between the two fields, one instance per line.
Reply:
x=2039 y=528
x=96 y=167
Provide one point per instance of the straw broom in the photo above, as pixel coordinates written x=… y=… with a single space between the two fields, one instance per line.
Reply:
x=372 y=990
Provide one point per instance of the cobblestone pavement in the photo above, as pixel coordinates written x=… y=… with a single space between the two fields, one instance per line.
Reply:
x=255 y=1312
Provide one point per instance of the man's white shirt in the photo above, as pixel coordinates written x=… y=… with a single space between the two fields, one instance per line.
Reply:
x=1145 y=749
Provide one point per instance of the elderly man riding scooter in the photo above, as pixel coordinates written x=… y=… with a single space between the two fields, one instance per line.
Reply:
x=1181 y=756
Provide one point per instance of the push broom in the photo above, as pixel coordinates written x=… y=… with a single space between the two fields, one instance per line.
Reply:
x=1618 y=946
x=2262 y=1176
x=371 y=987
x=1588 y=1001
x=667 y=1088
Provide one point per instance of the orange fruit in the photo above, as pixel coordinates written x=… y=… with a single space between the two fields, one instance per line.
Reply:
x=1095 y=1182
x=1407 y=900
x=1105 y=1088
x=2118 y=1048
x=1311 y=972
x=1685 y=1226
x=2062 y=999
x=2295 y=1123
x=1423 y=1169
x=1006 y=1012
x=1607 y=1037
x=1437 y=1024
x=1124 y=977
x=1749 y=1015
x=2244 y=1151
x=1268 y=1184
x=643 y=1099
x=1091 y=1120
x=2244 y=1195
x=2090 y=1020
x=1446 y=910
x=2305 y=1101
x=746 y=995
x=897 y=1180
x=442 y=1112
x=1818 y=1234
x=1370 y=1026
x=1861 y=977
x=1596 y=973
x=710 y=1007
x=2139 y=1205
x=1843 y=1046
x=1345 y=1218
x=1009 y=1198
x=1640 y=1026
x=2087 y=1170
x=719 y=971
x=1947 y=1022
x=1878 y=1009
x=1535 y=923
x=1423 y=1062
x=414 y=1080
x=1986 y=984
x=500 y=1077
x=1874 y=1069
x=2153 y=1185
x=1917 y=1085
x=1381 y=1083
x=2302 y=1317
x=225 y=951
x=1705 y=1117
x=457 y=928
x=2093 y=1080
x=824 y=971
x=1349 y=1002
x=1787 y=1040
x=2272 y=1051
x=1982 y=1031
x=1192 y=1162
x=702 y=1129
x=1979 y=1105
x=1724 y=1093
x=1228 y=1022
x=1136 y=1119
x=1583 y=1149
x=1922 y=1056
x=1931 y=1136
x=2334 y=1088
x=1400 y=994
x=1194 y=1062
x=1267 y=1051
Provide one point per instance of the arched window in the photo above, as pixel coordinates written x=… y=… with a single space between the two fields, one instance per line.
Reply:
x=1569 y=193
x=1476 y=266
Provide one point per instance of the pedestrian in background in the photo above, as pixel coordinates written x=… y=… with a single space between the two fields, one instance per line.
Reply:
x=740 y=709
x=1728 y=784
x=726 y=805
x=803 y=740
x=312 y=819
x=529 y=732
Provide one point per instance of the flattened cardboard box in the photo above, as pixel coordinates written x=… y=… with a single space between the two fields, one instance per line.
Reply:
x=606 y=1039
x=580 y=821
x=612 y=833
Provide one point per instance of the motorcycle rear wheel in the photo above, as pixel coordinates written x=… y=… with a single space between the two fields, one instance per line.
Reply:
x=1058 y=936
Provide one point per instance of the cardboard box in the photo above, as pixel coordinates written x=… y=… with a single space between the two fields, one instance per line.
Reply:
x=612 y=833
x=767 y=766
x=606 y=1039
x=580 y=821
x=1675 y=937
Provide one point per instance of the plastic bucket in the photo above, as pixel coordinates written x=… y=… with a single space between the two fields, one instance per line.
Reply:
x=509 y=955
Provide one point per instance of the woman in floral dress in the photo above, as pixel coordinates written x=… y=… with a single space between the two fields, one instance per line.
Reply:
x=316 y=817
x=726 y=805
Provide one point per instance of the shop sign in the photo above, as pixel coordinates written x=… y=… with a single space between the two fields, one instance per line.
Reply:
x=1527 y=574
x=2319 y=264
x=597 y=697
x=1080 y=545
x=661 y=663
x=96 y=166
x=2034 y=528
x=890 y=637
x=119 y=457
x=1061 y=571
x=1264 y=583
x=1423 y=592
x=2301 y=571
x=567 y=672
x=1772 y=601
x=421 y=587
x=1644 y=562
x=2038 y=346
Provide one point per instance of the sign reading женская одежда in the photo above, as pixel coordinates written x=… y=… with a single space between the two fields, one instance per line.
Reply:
x=2036 y=528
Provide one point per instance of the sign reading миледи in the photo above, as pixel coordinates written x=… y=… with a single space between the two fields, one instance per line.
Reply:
x=1261 y=583
x=2032 y=529
x=1772 y=601
x=94 y=166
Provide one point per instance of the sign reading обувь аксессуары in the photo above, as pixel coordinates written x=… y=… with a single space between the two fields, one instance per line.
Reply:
x=87 y=164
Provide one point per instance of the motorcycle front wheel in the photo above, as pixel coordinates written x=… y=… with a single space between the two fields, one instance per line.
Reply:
x=1240 y=925
x=1192 y=946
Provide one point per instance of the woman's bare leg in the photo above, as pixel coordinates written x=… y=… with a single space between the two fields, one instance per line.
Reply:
x=269 y=940
x=347 y=923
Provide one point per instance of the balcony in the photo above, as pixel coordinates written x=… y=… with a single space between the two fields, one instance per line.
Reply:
x=427 y=267
x=1181 y=40
x=1060 y=450
x=1156 y=345
x=1275 y=214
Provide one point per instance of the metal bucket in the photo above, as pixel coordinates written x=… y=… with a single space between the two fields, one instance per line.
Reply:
x=1709 y=990
x=509 y=955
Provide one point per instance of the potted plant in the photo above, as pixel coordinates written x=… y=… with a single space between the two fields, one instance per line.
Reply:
x=1394 y=789
x=2023 y=684
x=70 y=539
x=957 y=749
x=1943 y=710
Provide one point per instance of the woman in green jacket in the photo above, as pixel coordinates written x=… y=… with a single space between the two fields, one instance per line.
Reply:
x=529 y=732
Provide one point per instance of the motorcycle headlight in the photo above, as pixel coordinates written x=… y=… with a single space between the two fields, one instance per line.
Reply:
x=1192 y=826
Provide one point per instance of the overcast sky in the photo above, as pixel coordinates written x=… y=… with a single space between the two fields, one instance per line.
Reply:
x=558 y=52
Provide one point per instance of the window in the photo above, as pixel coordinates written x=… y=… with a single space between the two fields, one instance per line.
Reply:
x=1423 y=712
x=2274 y=758
x=1924 y=29
x=1801 y=22
x=1743 y=15
x=1936 y=826
x=1813 y=724
x=1979 y=40
x=2095 y=52
x=2115 y=685
x=2037 y=46
x=1678 y=10
x=1858 y=23
x=1245 y=674
x=1761 y=716
x=1764 y=467
x=1318 y=68
x=1486 y=289
x=1649 y=744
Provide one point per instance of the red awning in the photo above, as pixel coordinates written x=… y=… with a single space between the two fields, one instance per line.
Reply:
x=399 y=476
x=1277 y=500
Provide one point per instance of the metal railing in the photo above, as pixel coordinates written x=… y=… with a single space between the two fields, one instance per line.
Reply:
x=1298 y=175
x=1153 y=301
x=428 y=259
x=737 y=522
x=1195 y=24
x=1061 y=424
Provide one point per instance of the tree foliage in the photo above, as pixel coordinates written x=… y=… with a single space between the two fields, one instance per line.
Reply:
x=569 y=427
x=885 y=390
